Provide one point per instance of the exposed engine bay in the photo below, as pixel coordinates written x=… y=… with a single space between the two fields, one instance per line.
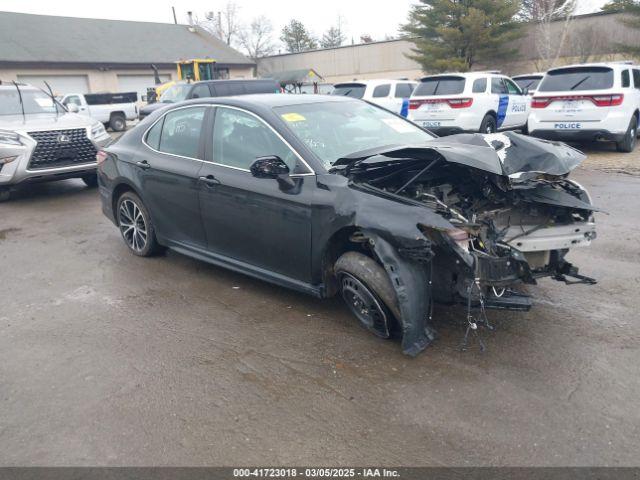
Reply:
x=514 y=213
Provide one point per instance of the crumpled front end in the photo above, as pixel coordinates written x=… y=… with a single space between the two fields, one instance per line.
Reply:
x=511 y=214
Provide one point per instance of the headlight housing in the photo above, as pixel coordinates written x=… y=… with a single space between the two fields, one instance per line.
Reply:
x=98 y=131
x=8 y=137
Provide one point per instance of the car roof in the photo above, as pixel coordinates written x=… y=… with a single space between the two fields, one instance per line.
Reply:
x=268 y=100
x=374 y=81
x=622 y=64
x=528 y=75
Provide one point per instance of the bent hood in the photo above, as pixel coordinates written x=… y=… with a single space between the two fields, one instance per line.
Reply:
x=511 y=154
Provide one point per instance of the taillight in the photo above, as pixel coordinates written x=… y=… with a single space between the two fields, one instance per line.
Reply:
x=460 y=102
x=452 y=102
x=540 y=102
x=612 y=100
x=101 y=156
x=608 y=100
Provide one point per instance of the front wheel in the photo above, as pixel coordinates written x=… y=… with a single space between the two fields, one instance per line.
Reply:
x=135 y=225
x=488 y=124
x=368 y=293
x=628 y=144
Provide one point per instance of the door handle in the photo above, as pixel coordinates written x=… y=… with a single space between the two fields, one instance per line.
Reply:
x=143 y=165
x=209 y=181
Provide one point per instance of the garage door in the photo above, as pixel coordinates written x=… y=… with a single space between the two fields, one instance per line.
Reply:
x=60 y=84
x=139 y=83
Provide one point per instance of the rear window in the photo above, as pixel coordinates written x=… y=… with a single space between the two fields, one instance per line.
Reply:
x=440 y=86
x=579 y=78
x=353 y=90
x=529 y=83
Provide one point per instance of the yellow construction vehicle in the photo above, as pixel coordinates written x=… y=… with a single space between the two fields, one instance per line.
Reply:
x=192 y=70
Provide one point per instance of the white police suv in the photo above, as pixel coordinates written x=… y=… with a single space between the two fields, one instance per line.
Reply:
x=390 y=94
x=469 y=102
x=596 y=101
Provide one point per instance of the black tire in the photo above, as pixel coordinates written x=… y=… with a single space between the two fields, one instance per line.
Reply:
x=5 y=194
x=368 y=292
x=488 y=124
x=628 y=144
x=135 y=225
x=118 y=122
x=90 y=180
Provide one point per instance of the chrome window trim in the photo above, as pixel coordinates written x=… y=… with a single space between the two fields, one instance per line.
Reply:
x=215 y=105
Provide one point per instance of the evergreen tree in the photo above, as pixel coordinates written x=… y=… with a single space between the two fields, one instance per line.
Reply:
x=632 y=19
x=332 y=38
x=296 y=37
x=453 y=35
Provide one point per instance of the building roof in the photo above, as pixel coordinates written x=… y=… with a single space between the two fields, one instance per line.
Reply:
x=26 y=38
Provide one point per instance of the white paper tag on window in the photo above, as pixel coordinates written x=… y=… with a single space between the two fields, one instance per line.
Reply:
x=399 y=125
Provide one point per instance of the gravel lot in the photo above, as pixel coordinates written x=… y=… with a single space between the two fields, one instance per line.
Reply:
x=110 y=359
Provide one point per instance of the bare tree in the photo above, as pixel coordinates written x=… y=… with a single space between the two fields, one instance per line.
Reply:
x=256 y=38
x=553 y=20
x=223 y=24
x=586 y=44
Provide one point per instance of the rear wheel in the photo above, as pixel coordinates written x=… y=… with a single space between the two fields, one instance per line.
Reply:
x=118 y=122
x=368 y=293
x=628 y=144
x=90 y=180
x=488 y=124
x=135 y=225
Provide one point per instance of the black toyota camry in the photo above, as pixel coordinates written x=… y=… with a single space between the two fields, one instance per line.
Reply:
x=331 y=195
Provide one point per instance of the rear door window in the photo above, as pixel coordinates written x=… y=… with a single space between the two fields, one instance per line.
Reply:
x=443 y=85
x=353 y=90
x=626 y=79
x=498 y=86
x=577 y=78
x=382 y=91
x=227 y=90
x=200 y=91
x=479 y=85
x=403 y=90
x=636 y=78
x=181 y=132
x=153 y=135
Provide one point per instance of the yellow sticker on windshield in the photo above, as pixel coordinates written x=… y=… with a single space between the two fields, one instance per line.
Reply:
x=293 y=117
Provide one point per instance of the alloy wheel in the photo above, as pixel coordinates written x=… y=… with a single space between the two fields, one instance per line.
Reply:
x=133 y=225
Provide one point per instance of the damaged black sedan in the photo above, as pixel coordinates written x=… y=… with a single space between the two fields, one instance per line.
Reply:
x=330 y=195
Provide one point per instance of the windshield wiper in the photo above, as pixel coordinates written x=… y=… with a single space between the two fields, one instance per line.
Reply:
x=24 y=119
x=53 y=99
x=580 y=82
x=435 y=90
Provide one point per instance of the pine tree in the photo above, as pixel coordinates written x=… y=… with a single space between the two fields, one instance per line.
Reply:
x=632 y=19
x=332 y=38
x=296 y=37
x=453 y=35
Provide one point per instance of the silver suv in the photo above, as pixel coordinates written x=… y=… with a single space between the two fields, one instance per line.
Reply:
x=41 y=141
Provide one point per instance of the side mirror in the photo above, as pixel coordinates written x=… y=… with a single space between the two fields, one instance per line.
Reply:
x=269 y=167
x=73 y=108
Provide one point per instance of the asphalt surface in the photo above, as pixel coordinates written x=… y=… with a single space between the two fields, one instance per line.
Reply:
x=110 y=359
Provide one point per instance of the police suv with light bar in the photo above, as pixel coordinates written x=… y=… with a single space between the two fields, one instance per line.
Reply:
x=597 y=101
x=483 y=102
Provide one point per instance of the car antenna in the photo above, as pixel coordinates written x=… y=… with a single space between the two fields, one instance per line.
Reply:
x=24 y=118
x=53 y=99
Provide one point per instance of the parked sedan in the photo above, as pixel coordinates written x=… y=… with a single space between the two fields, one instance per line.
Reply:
x=328 y=195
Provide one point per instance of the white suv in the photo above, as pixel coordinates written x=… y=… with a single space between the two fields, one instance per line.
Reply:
x=390 y=94
x=469 y=102
x=597 y=101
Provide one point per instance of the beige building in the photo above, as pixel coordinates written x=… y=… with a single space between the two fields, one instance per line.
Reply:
x=592 y=37
x=92 y=55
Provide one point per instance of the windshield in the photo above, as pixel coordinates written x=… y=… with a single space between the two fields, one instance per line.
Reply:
x=333 y=130
x=580 y=78
x=34 y=101
x=175 y=93
x=440 y=86
x=530 y=83
x=353 y=90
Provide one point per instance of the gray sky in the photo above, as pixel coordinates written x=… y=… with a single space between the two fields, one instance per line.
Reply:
x=374 y=17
